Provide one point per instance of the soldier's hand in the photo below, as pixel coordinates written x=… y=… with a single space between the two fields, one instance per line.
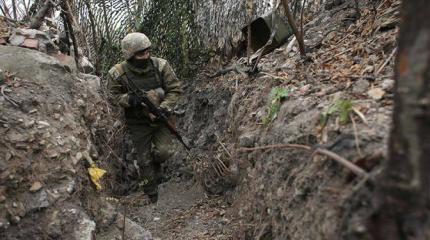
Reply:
x=153 y=97
x=133 y=101
x=151 y=116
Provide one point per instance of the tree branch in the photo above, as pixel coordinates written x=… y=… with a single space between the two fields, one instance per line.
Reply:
x=351 y=166
x=296 y=32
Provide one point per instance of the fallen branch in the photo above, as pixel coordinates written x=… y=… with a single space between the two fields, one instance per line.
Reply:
x=351 y=166
x=13 y=102
x=225 y=149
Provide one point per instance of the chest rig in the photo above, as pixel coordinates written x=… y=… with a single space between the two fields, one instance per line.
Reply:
x=145 y=79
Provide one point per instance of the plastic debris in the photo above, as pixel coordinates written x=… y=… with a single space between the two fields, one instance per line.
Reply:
x=95 y=175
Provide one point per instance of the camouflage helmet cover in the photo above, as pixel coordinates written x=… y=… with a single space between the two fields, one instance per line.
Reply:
x=133 y=43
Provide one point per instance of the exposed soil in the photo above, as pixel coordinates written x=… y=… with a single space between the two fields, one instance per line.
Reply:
x=286 y=193
x=226 y=188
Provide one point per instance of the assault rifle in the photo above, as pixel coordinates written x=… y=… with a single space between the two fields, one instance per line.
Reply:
x=153 y=109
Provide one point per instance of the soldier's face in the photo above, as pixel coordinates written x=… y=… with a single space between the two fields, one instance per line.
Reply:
x=144 y=54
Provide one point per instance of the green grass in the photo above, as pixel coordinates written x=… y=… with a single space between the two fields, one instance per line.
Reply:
x=276 y=96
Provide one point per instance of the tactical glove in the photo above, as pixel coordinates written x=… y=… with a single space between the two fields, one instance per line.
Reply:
x=134 y=101
x=153 y=97
x=166 y=112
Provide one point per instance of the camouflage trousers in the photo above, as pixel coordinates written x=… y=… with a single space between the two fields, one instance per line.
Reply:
x=153 y=144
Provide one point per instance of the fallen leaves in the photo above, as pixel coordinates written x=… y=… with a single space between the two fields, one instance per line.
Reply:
x=36 y=186
x=376 y=93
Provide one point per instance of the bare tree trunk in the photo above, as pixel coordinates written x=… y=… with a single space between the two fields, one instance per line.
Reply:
x=37 y=20
x=249 y=8
x=25 y=4
x=293 y=25
x=106 y=22
x=15 y=14
x=2 y=10
x=302 y=32
x=403 y=189
x=94 y=30
x=6 y=10
x=33 y=8
x=69 y=18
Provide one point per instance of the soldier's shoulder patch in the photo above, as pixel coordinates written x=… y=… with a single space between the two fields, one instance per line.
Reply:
x=160 y=62
x=115 y=71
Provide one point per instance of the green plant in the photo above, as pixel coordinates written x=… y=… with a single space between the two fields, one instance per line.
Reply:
x=277 y=94
x=340 y=108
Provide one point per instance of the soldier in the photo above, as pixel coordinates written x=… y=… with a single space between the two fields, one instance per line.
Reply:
x=156 y=77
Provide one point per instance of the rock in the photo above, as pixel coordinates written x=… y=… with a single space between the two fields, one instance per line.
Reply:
x=247 y=139
x=133 y=231
x=93 y=81
x=33 y=39
x=36 y=201
x=43 y=124
x=36 y=186
x=376 y=93
x=16 y=39
x=28 y=123
x=80 y=103
x=67 y=61
x=85 y=228
x=87 y=66
x=31 y=43
x=388 y=85
x=360 y=86
x=16 y=137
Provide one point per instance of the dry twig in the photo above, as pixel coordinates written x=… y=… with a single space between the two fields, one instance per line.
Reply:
x=357 y=144
x=387 y=61
x=13 y=102
x=351 y=166
x=225 y=149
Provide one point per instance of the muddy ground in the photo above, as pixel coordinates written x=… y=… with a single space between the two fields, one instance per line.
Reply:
x=228 y=187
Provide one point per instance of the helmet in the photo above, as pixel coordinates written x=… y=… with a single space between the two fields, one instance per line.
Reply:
x=133 y=43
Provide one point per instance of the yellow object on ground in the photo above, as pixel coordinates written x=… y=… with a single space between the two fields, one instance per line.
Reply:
x=96 y=174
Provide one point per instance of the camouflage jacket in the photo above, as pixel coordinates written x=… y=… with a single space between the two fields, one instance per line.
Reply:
x=159 y=75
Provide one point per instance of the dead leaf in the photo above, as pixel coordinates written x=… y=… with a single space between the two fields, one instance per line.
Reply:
x=376 y=93
x=36 y=186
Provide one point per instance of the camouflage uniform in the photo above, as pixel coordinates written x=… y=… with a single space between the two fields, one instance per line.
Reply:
x=151 y=138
